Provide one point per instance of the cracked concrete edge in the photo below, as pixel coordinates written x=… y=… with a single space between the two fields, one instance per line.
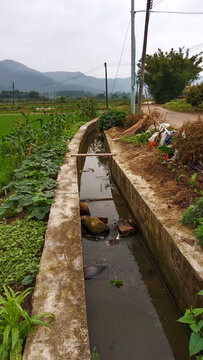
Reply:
x=60 y=283
x=178 y=257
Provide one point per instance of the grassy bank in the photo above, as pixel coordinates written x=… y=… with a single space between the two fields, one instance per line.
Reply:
x=183 y=106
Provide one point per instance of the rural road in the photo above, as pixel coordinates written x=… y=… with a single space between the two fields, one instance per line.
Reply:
x=176 y=119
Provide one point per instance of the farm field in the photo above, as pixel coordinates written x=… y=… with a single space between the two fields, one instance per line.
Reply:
x=30 y=158
x=7 y=120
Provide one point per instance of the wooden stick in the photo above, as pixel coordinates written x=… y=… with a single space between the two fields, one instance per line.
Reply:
x=97 y=154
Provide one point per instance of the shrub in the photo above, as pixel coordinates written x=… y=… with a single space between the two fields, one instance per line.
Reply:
x=180 y=105
x=194 y=94
x=110 y=119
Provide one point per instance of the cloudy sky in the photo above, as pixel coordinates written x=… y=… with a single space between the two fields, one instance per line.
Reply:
x=80 y=35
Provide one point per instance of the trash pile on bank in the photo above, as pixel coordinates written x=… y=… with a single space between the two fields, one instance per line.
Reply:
x=184 y=145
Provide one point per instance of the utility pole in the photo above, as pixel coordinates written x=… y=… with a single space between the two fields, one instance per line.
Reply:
x=13 y=93
x=106 y=85
x=149 y=7
x=132 y=57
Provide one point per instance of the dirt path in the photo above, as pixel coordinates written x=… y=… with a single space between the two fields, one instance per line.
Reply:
x=176 y=119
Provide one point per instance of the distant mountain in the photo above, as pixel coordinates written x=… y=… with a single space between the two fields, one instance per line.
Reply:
x=88 y=83
x=27 y=79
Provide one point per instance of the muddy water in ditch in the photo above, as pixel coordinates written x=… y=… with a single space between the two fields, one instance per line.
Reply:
x=138 y=320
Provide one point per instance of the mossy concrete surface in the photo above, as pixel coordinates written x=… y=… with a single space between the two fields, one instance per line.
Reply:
x=60 y=282
x=178 y=257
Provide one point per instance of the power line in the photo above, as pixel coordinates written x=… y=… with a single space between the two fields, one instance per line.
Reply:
x=157 y=3
x=121 y=57
x=196 y=47
x=170 y=12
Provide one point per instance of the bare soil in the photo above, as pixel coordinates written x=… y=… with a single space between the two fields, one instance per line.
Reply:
x=169 y=180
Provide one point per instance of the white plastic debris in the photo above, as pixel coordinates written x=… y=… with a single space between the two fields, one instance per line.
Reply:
x=153 y=137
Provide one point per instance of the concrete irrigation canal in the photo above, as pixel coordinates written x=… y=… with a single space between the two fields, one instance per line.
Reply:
x=125 y=310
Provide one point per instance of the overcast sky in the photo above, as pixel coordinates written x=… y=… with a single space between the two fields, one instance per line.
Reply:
x=80 y=35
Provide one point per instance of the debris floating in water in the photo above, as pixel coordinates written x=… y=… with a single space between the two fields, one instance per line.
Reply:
x=113 y=241
x=92 y=270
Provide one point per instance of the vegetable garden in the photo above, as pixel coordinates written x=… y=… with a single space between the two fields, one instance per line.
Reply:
x=32 y=148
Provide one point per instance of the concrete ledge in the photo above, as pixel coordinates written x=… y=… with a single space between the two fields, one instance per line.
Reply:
x=60 y=282
x=173 y=247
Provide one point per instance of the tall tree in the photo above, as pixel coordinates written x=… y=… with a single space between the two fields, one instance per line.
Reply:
x=167 y=74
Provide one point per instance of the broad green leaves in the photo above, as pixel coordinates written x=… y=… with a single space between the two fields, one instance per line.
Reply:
x=110 y=119
x=34 y=183
x=192 y=317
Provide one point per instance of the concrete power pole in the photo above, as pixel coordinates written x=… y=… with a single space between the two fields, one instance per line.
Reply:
x=132 y=57
x=106 y=86
x=149 y=7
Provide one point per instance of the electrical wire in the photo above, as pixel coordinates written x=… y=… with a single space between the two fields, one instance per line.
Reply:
x=171 y=12
x=157 y=3
x=197 y=47
x=120 y=57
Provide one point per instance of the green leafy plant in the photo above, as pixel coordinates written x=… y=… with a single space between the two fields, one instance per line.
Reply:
x=110 y=119
x=193 y=216
x=21 y=243
x=180 y=177
x=138 y=139
x=193 y=319
x=33 y=269
x=166 y=149
x=95 y=354
x=16 y=324
x=116 y=283
x=193 y=181
x=34 y=182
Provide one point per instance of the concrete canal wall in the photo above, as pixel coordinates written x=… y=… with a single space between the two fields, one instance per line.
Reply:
x=171 y=245
x=60 y=283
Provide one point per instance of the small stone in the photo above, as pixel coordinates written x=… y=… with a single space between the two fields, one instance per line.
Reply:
x=95 y=226
x=84 y=210
x=125 y=228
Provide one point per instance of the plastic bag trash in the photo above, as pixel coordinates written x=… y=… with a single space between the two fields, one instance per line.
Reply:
x=174 y=155
x=169 y=137
x=163 y=136
x=163 y=126
x=184 y=134
x=153 y=137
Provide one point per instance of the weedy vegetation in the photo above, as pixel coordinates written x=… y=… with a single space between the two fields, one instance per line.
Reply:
x=138 y=139
x=192 y=317
x=193 y=216
x=16 y=324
